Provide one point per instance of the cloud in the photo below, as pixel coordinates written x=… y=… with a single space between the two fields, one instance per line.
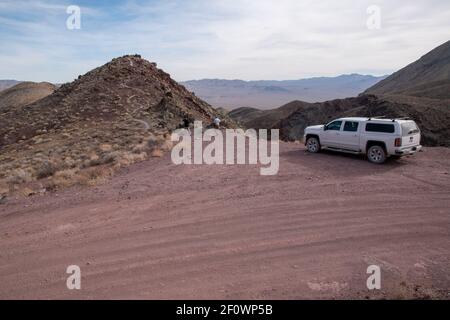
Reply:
x=249 y=39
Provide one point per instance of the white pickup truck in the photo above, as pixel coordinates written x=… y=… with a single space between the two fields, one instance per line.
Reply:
x=378 y=138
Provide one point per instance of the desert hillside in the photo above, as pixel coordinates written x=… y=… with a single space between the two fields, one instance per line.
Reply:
x=431 y=116
x=114 y=115
x=25 y=93
x=427 y=77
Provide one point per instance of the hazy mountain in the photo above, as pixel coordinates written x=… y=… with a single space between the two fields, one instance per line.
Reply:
x=25 y=93
x=427 y=77
x=5 y=84
x=267 y=94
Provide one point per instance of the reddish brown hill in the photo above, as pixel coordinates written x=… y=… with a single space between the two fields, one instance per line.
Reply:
x=114 y=114
x=127 y=88
x=427 y=77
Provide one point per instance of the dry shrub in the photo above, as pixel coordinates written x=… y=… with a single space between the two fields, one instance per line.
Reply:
x=69 y=162
x=26 y=192
x=103 y=158
x=127 y=158
x=160 y=143
x=49 y=185
x=4 y=189
x=46 y=169
x=92 y=161
x=65 y=178
x=167 y=145
x=93 y=156
x=139 y=148
x=94 y=175
x=157 y=153
x=154 y=141
x=109 y=157
x=70 y=177
x=105 y=147
x=19 y=176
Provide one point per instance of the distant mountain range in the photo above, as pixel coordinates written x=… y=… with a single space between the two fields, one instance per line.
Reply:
x=266 y=94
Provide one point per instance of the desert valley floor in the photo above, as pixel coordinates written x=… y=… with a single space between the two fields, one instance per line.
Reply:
x=162 y=231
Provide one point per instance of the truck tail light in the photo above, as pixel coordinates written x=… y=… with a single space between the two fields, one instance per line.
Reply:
x=398 y=142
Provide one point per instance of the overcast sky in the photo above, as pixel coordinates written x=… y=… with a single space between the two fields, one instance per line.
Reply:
x=242 y=39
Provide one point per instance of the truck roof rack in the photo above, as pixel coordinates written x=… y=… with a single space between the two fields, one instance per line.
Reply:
x=379 y=117
x=403 y=118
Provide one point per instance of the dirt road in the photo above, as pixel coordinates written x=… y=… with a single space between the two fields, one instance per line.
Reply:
x=158 y=230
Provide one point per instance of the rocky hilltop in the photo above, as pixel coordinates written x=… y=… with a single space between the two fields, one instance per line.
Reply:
x=114 y=115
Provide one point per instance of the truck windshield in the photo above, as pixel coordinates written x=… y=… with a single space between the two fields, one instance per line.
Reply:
x=409 y=128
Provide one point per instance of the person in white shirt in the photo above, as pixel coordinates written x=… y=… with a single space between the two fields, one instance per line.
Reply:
x=217 y=123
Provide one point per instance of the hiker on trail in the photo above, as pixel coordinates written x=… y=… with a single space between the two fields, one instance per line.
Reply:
x=216 y=123
x=186 y=125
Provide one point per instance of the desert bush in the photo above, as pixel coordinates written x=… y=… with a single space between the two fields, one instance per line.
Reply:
x=46 y=169
x=26 y=192
x=92 y=161
x=157 y=153
x=139 y=148
x=69 y=162
x=105 y=147
x=153 y=142
x=19 y=176
x=94 y=175
x=109 y=157
x=127 y=158
x=65 y=178
x=4 y=189
x=167 y=145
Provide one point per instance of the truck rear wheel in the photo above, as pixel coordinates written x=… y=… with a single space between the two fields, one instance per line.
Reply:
x=376 y=154
x=313 y=145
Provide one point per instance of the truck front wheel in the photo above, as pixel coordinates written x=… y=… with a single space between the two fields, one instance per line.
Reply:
x=313 y=145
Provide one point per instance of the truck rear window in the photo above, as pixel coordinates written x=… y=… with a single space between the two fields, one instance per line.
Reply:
x=409 y=128
x=380 y=127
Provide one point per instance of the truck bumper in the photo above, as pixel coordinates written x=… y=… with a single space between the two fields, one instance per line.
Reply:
x=407 y=150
